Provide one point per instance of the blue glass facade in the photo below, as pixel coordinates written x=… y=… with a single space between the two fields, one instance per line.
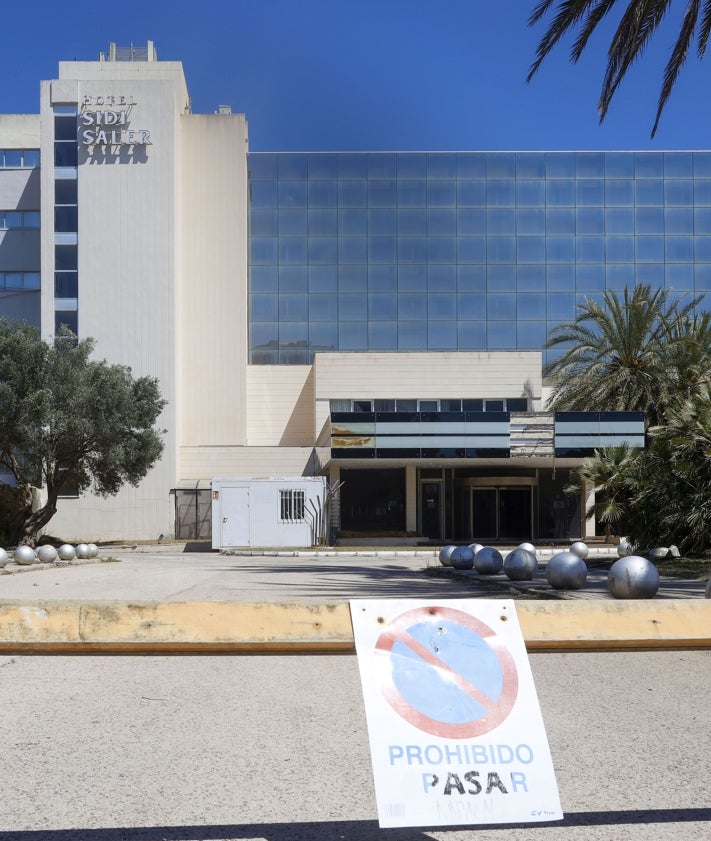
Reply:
x=461 y=251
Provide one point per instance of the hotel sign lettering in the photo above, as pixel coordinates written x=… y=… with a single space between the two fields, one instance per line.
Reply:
x=105 y=121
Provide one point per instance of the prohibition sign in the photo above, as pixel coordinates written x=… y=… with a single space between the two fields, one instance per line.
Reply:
x=446 y=672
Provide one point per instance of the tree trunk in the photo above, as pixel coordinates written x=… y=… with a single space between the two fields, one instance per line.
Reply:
x=37 y=520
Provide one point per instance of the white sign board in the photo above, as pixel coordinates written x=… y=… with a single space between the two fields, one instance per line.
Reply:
x=456 y=732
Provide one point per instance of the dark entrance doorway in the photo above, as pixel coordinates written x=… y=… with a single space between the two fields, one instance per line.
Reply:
x=431 y=504
x=501 y=513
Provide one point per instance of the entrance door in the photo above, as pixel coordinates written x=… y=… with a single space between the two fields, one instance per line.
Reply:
x=502 y=513
x=234 y=507
x=431 y=509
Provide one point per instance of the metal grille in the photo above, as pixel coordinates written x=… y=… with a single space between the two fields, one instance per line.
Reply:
x=193 y=514
x=292 y=504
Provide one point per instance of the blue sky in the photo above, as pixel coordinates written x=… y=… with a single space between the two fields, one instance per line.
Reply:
x=371 y=74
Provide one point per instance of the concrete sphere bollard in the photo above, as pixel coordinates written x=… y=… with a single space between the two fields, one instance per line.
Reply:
x=475 y=547
x=4 y=557
x=633 y=577
x=624 y=548
x=520 y=565
x=488 y=561
x=47 y=554
x=445 y=555
x=25 y=555
x=66 y=552
x=529 y=547
x=580 y=549
x=566 y=571
x=462 y=558
x=93 y=550
x=82 y=551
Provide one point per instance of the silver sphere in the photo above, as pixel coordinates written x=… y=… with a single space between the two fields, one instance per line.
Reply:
x=445 y=555
x=580 y=549
x=529 y=547
x=4 y=557
x=624 y=548
x=82 y=551
x=520 y=565
x=47 y=554
x=566 y=571
x=66 y=552
x=25 y=555
x=93 y=550
x=462 y=558
x=475 y=547
x=633 y=577
x=488 y=561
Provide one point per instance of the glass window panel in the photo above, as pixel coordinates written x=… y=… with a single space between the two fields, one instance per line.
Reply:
x=530 y=278
x=679 y=220
x=412 y=278
x=382 y=306
x=471 y=221
x=471 y=193
x=471 y=165
x=65 y=257
x=500 y=305
x=530 y=249
x=293 y=279
x=263 y=334
x=679 y=192
x=352 y=249
x=296 y=355
x=65 y=154
x=449 y=405
x=263 y=278
x=293 y=193
x=651 y=273
x=501 y=249
x=31 y=280
x=590 y=249
x=382 y=193
x=65 y=191
x=500 y=165
x=66 y=319
x=702 y=249
x=323 y=250
x=66 y=284
x=322 y=222
x=412 y=306
x=13 y=280
x=679 y=249
x=353 y=221
x=530 y=193
x=531 y=305
x=323 y=307
x=500 y=194
x=649 y=191
x=560 y=220
x=382 y=165
x=263 y=193
x=702 y=220
x=352 y=306
x=501 y=335
x=382 y=249
x=441 y=306
x=530 y=335
x=382 y=278
x=441 y=193
x=649 y=249
x=382 y=336
x=441 y=165
x=590 y=220
x=13 y=218
x=619 y=192
x=560 y=278
x=442 y=278
x=560 y=193
x=678 y=165
x=382 y=222
x=702 y=277
x=590 y=277
x=292 y=166
x=353 y=193
x=323 y=166
x=323 y=335
x=323 y=278
x=589 y=164
x=411 y=165
x=471 y=335
x=30 y=158
x=619 y=220
x=560 y=165
x=702 y=164
x=263 y=307
x=323 y=193
x=588 y=192
x=353 y=278
x=411 y=193
x=619 y=249
x=649 y=220
x=352 y=165
x=293 y=307
x=501 y=278
x=471 y=305
x=293 y=333
x=293 y=250
x=442 y=249
x=411 y=250
x=501 y=221
x=530 y=165
x=263 y=222
x=411 y=335
x=293 y=223
x=262 y=166
x=442 y=335
x=531 y=221
x=412 y=222
x=702 y=192
x=560 y=249
x=619 y=275
x=65 y=128
x=471 y=278
x=648 y=164
x=441 y=221
x=12 y=157
x=561 y=306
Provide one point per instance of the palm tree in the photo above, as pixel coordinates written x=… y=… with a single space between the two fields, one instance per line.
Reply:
x=622 y=354
x=638 y=23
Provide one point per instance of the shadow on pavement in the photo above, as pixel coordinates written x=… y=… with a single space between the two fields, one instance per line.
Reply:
x=342 y=830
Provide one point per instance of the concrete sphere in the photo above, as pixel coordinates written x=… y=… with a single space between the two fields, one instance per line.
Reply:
x=566 y=571
x=520 y=565
x=488 y=561
x=462 y=558
x=25 y=555
x=93 y=550
x=4 y=557
x=445 y=555
x=82 y=550
x=47 y=554
x=66 y=552
x=475 y=547
x=624 y=548
x=708 y=589
x=529 y=547
x=580 y=549
x=633 y=577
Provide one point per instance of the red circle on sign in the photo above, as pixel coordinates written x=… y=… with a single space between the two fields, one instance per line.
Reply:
x=498 y=710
